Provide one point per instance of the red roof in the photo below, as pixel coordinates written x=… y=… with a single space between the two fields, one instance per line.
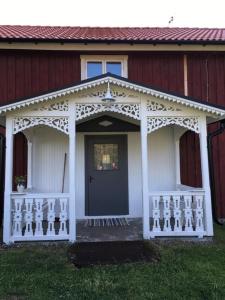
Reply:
x=113 y=34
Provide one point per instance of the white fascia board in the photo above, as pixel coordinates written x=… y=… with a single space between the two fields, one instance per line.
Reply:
x=208 y=109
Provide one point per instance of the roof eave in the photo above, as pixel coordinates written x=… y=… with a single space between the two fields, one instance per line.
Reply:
x=113 y=41
x=208 y=109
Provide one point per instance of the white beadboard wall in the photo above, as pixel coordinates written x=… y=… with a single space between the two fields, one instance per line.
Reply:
x=50 y=146
x=161 y=153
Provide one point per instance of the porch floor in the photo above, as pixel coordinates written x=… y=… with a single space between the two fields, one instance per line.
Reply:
x=131 y=232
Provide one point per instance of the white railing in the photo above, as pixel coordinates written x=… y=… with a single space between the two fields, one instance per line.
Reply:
x=177 y=213
x=40 y=217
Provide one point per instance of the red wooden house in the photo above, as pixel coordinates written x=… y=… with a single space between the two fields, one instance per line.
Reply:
x=110 y=123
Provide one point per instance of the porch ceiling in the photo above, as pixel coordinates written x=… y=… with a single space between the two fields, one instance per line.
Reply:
x=209 y=109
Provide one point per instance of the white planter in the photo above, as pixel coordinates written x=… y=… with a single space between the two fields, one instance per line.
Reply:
x=20 y=188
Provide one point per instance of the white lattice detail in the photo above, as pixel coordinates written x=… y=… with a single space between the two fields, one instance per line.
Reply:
x=156 y=214
x=166 y=213
x=191 y=123
x=63 y=216
x=22 y=123
x=34 y=217
x=57 y=106
x=102 y=93
x=156 y=106
x=39 y=217
x=28 y=217
x=86 y=110
x=183 y=215
x=51 y=216
x=17 y=217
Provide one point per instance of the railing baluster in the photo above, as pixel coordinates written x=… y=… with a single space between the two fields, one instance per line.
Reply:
x=17 y=217
x=177 y=214
x=28 y=217
x=63 y=216
x=156 y=214
x=51 y=216
x=199 y=213
x=166 y=214
x=188 y=213
x=39 y=217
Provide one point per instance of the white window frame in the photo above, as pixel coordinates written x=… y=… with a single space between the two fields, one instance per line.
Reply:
x=103 y=59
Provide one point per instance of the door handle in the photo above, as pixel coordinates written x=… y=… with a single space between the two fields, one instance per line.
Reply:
x=91 y=179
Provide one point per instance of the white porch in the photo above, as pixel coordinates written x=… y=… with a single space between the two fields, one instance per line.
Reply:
x=156 y=194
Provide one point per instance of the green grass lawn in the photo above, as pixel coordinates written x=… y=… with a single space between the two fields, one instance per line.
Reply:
x=186 y=271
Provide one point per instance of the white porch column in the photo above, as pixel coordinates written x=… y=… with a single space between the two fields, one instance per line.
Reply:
x=177 y=161
x=72 y=171
x=144 y=154
x=178 y=132
x=205 y=176
x=7 y=223
x=29 y=164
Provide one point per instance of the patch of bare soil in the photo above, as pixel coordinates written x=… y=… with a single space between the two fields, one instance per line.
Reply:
x=107 y=253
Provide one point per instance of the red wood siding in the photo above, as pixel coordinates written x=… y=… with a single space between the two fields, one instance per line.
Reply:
x=26 y=73
x=190 y=165
x=206 y=80
x=162 y=70
x=20 y=156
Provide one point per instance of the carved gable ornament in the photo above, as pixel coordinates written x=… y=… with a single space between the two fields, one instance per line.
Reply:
x=154 y=123
x=154 y=105
x=56 y=106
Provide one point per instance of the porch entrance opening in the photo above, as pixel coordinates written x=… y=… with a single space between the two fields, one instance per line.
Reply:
x=106 y=179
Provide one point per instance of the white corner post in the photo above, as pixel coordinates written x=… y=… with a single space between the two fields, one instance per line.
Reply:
x=144 y=155
x=72 y=171
x=7 y=223
x=205 y=176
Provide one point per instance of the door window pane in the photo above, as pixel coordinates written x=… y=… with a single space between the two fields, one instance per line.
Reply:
x=114 y=68
x=106 y=157
x=94 y=69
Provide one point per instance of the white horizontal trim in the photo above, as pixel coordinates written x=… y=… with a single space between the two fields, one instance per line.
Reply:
x=16 y=195
x=168 y=193
x=177 y=233
x=110 y=47
x=40 y=238
x=104 y=217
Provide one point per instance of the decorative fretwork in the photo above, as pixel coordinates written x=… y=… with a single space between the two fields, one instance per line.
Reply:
x=101 y=94
x=191 y=123
x=22 y=123
x=86 y=110
x=156 y=106
x=35 y=218
x=57 y=106
x=177 y=214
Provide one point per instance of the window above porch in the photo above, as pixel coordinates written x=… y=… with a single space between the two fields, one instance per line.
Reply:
x=94 y=65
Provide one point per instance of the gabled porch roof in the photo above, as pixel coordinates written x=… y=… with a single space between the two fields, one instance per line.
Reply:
x=211 y=109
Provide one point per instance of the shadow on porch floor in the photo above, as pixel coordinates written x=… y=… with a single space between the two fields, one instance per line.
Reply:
x=130 y=232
